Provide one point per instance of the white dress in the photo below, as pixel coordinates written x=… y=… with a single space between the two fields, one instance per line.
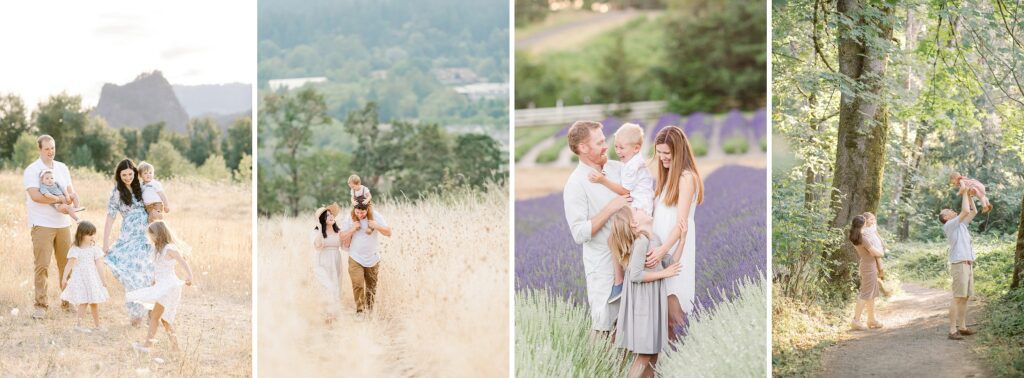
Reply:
x=327 y=270
x=665 y=219
x=167 y=289
x=84 y=285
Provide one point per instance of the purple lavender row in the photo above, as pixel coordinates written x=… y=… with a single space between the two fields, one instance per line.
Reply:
x=731 y=241
x=759 y=123
x=734 y=124
x=731 y=232
x=695 y=123
x=546 y=256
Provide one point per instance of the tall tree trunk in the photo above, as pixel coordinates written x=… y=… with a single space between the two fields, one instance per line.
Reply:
x=905 y=176
x=863 y=122
x=1018 y=256
x=810 y=178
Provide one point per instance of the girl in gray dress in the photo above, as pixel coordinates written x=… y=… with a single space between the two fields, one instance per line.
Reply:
x=643 y=314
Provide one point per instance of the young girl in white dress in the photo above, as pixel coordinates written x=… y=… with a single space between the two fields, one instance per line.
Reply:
x=82 y=284
x=162 y=298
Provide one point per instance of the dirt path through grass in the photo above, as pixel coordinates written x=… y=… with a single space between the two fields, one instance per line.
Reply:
x=912 y=344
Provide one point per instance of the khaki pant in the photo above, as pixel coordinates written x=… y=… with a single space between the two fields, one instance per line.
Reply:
x=364 y=284
x=155 y=211
x=48 y=242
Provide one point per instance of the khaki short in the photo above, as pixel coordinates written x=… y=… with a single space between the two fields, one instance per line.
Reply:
x=155 y=211
x=963 y=279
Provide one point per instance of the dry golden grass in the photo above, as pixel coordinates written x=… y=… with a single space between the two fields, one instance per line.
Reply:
x=442 y=298
x=214 y=317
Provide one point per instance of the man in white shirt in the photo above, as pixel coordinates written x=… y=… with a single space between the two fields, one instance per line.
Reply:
x=51 y=228
x=364 y=252
x=588 y=206
x=961 y=261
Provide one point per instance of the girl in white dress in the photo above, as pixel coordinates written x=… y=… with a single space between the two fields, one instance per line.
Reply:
x=678 y=191
x=82 y=284
x=162 y=298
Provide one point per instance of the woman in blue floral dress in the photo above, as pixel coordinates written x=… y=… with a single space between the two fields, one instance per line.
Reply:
x=131 y=256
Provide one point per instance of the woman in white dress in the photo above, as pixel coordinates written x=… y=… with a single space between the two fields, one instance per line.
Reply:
x=327 y=260
x=678 y=191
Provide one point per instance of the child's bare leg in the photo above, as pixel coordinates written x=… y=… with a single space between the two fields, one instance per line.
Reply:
x=81 y=313
x=154 y=323
x=650 y=367
x=870 y=307
x=71 y=212
x=170 y=335
x=985 y=205
x=639 y=366
x=95 y=314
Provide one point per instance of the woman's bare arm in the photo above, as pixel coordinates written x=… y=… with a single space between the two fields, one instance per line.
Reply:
x=686 y=190
x=106 y=233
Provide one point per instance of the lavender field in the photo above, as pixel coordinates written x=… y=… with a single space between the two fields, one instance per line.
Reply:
x=728 y=331
x=731 y=242
x=732 y=128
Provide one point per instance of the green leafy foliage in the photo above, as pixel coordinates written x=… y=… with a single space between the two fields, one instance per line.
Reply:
x=388 y=53
x=13 y=123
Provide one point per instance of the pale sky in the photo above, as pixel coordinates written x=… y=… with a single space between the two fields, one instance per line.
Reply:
x=77 y=46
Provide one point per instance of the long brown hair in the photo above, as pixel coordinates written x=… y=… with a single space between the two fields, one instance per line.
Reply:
x=623 y=235
x=123 y=191
x=855 y=228
x=682 y=161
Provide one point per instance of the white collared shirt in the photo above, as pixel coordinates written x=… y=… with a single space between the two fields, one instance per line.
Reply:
x=584 y=200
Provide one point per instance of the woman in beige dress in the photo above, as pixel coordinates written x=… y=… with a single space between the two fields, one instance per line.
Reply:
x=868 y=276
x=327 y=260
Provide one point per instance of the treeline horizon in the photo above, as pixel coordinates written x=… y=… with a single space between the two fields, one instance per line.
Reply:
x=404 y=159
x=85 y=140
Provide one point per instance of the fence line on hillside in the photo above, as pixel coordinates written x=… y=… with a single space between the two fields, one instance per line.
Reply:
x=566 y=114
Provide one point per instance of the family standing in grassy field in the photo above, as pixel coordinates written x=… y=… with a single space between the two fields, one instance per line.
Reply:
x=638 y=235
x=142 y=259
x=357 y=235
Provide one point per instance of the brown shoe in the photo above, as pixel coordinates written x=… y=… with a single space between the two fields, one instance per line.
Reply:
x=965 y=332
x=955 y=336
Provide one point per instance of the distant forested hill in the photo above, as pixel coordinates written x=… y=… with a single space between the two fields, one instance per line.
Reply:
x=409 y=57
